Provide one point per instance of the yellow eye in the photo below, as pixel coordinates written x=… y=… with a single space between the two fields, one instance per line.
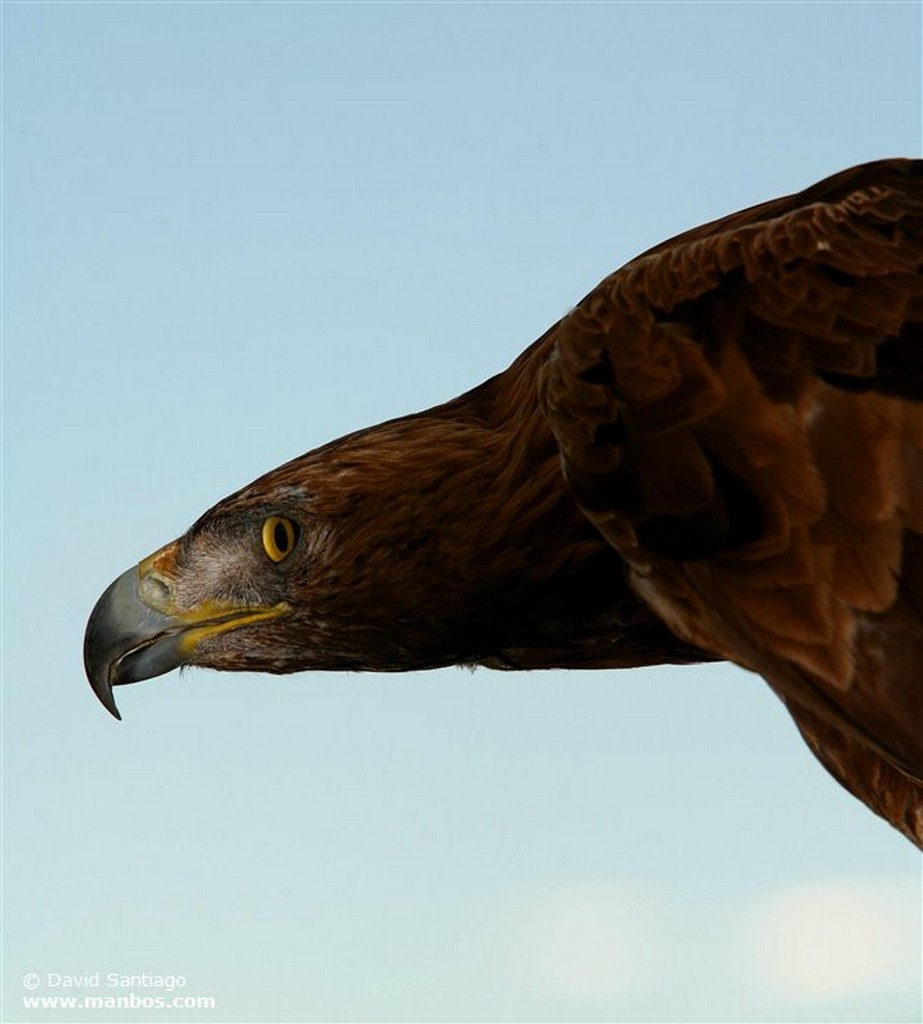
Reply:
x=279 y=536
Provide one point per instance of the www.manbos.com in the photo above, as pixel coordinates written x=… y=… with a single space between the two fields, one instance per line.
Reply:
x=123 y=1001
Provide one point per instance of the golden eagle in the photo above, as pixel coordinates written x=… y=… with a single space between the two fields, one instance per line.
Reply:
x=718 y=454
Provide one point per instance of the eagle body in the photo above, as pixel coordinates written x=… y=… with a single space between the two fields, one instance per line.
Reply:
x=718 y=454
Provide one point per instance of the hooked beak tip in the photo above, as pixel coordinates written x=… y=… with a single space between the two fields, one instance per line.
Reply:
x=97 y=650
x=108 y=701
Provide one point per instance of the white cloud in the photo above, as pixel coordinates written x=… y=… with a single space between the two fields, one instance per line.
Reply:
x=590 y=938
x=835 y=939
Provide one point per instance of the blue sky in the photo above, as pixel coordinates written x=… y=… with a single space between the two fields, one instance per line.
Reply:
x=233 y=232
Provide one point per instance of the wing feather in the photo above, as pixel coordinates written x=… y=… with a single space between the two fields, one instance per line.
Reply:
x=740 y=413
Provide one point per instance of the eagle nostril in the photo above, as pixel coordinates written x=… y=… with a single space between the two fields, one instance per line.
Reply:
x=155 y=591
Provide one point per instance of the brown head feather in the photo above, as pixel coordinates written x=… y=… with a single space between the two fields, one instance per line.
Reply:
x=447 y=537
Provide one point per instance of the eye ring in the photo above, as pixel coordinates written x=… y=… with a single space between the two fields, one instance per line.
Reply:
x=279 y=537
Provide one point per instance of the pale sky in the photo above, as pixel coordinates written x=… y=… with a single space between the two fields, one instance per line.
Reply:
x=233 y=232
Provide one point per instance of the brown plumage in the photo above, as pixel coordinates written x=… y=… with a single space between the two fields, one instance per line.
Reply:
x=717 y=454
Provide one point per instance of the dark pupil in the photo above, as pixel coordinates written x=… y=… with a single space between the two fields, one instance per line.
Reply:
x=280 y=535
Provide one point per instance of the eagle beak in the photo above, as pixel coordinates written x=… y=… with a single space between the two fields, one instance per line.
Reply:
x=136 y=631
x=127 y=640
